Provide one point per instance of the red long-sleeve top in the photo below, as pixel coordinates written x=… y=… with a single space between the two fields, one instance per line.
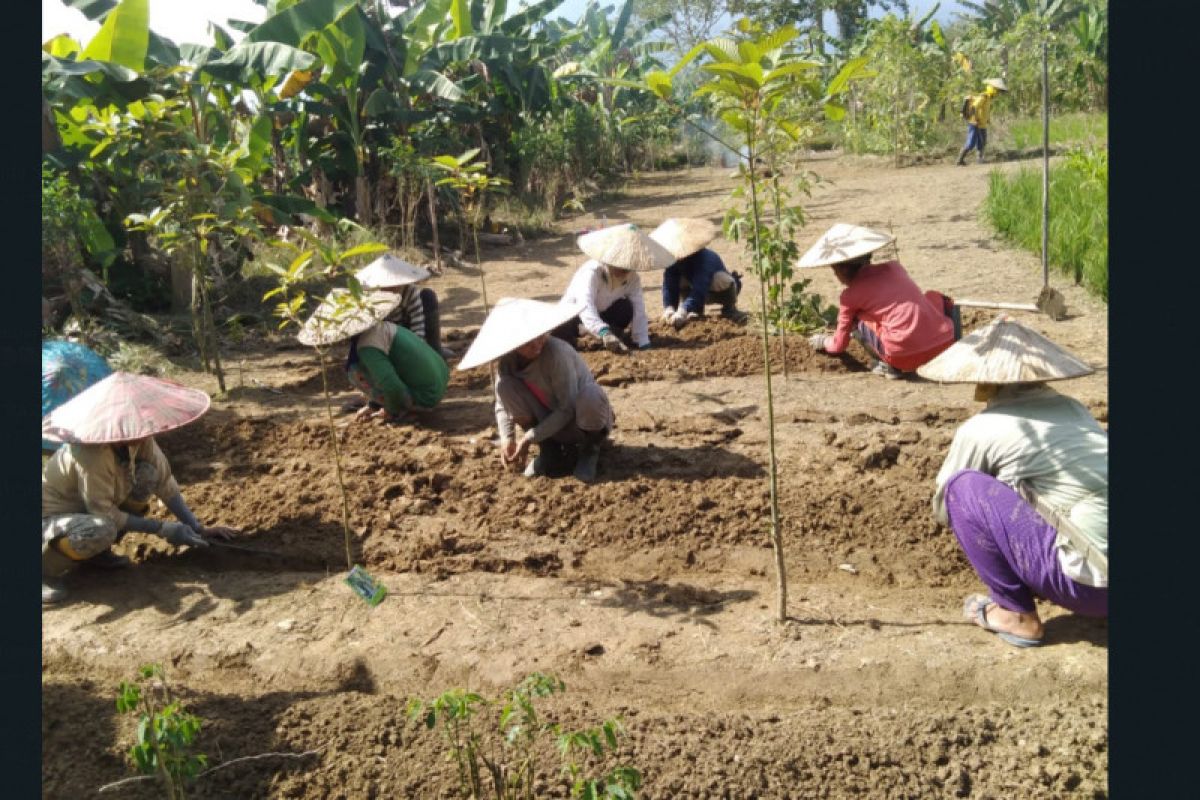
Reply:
x=913 y=330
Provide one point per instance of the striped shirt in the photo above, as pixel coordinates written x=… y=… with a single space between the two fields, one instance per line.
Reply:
x=410 y=313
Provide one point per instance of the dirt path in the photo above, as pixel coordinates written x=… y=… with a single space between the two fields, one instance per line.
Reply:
x=649 y=593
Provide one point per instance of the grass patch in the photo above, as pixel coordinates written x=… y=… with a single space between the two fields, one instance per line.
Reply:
x=1078 y=215
x=1068 y=130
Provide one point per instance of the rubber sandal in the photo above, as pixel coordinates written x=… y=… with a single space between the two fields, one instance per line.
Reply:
x=975 y=609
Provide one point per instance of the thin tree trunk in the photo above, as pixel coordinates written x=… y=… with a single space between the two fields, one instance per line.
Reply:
x=198 y=323
x=337 y=461
x=433 y=224
x=773 y=469
x=214 y=342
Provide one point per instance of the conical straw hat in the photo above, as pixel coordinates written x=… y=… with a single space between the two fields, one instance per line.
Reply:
x=339 y=317
x=123 y=407
x=625 y=247
x=513 y=322
x=997 y=83
x=683 y=236
x=387 y=272
x=841 y=243
x=1005 y=351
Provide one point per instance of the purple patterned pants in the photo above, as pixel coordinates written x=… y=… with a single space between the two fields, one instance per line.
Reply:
x=1011 y=546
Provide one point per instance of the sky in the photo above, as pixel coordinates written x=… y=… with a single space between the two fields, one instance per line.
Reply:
x=187 y=20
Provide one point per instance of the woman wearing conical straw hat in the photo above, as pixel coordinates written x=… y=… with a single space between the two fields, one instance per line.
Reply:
x=418 y=308
x=881 y=306
x=697 y=272
x=1025 y=484
x=393 y=367
x=607 y=287
x=98 y=486
x=543 y=387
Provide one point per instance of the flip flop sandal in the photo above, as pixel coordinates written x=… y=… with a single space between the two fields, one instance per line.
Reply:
x=975 y=609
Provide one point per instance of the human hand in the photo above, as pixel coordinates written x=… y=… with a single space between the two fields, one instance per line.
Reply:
x=817 y=341
x=219 y=532
x=613 y=344
x=364 y=413
x=682 y=317
x=179 y=534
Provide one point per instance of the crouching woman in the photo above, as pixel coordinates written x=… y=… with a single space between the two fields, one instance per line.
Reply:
x=1025 y=484
x=396 y=370
x=99 y=485
x=543 y=387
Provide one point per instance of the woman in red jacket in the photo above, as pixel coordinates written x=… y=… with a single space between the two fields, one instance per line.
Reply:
x=881 y=306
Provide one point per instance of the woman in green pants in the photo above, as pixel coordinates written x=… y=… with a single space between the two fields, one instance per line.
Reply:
x=396 y=369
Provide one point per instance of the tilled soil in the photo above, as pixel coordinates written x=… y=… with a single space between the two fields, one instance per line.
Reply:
x=651 y=593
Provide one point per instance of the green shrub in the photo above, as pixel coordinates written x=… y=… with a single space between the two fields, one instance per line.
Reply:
x=1078 y=214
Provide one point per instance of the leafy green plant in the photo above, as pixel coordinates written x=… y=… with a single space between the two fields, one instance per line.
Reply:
x=166 y=731
x=469 y=179
x=70 y=228
x=207 y=209
x=494 y=743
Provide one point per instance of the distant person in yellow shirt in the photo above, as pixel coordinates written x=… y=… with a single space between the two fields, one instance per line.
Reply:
x=977 y=111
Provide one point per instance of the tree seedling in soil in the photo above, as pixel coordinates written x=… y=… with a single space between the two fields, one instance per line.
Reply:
x=754 y=82
x=290 y=310
x=494 y=744
x=469 y=179
x=165 y=733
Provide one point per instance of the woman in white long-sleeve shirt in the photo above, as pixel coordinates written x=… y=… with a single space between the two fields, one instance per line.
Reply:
x=607 y=287
x=1025 y=484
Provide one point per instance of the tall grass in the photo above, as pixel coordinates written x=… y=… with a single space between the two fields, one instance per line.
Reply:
x=1078 y=214
x=1078 y=129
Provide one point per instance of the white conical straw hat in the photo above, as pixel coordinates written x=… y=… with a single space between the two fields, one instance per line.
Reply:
x=997 y=83
x=513 y=322
x=683 y=236
x=625 y=247
x=339 y=317
x=843 y=242
x=1004 y=351
x=387 y=272
x=124 y=407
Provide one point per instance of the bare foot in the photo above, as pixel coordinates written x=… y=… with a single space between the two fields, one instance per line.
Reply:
x=1028 y=626
x=995 y=618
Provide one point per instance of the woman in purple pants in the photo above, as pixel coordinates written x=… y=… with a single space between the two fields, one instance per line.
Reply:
x=1025 y=484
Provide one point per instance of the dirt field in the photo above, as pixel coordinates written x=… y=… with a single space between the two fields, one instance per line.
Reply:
x=650 y=593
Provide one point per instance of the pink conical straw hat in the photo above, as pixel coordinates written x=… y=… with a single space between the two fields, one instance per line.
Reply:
x=123 y=407
x=388 y=272
x=625 y=247
x=683 y=236
x=1004 y=351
